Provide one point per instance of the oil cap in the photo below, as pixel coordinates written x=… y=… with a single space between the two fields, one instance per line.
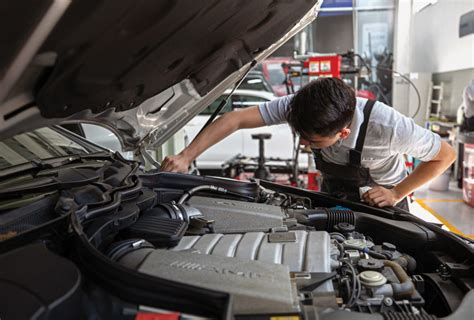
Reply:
x=372 y=279
x=344 y=227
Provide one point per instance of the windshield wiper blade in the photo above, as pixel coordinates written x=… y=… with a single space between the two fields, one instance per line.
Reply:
x=37 y=165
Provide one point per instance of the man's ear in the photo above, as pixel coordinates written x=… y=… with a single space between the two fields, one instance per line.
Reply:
x=344 y=133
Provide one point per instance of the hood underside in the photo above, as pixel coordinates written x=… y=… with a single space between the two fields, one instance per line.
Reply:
x=141 y=68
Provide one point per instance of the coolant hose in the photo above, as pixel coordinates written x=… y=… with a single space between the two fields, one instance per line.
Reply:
x=405 y=288
x=407 y=262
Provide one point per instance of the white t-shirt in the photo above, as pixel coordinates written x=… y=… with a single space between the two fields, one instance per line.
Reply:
x=390 y=135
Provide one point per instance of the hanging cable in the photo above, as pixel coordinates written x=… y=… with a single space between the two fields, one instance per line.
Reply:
x=369 y=69
x=411 y=83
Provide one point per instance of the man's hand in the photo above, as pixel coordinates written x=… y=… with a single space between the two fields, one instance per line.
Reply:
x=225 y=125
x=381 y=197
x=178 y=163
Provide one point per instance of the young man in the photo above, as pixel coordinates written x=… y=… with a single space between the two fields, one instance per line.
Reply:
x=356 y=142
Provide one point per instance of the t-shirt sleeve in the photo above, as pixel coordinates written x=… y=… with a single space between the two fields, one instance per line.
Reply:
x=275 y=111
x=411 y=139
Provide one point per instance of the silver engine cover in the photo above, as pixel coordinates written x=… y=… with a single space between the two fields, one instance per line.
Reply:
x=231 y=216
x=254 y=267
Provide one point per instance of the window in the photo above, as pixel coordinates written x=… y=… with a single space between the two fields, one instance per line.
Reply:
x=276 y=73
x=237 y=101
x=210 y=110
x=247 y=101
x=253 y=84
x=256 y=82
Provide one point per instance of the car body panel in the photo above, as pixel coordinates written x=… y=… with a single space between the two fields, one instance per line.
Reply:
x=126 y=77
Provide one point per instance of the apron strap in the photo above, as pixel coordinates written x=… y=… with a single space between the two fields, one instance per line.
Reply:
x=355 y=155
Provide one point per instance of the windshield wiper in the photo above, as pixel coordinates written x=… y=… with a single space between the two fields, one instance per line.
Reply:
x=36 y=165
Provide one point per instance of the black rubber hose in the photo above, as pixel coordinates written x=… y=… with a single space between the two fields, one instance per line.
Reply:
x=323 y=219
x=336 y=216
x=337 y=236
x=188 y=194
x=407 y=262
x=314 y=218
x=405 y=288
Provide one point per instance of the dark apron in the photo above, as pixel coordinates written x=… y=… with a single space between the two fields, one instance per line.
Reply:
x=343 y=181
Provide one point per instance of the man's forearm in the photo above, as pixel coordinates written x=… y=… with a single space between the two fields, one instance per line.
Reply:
x=427 y=171
x=423 y=173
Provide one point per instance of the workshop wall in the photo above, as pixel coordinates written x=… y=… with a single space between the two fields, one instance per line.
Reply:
x=436 y=46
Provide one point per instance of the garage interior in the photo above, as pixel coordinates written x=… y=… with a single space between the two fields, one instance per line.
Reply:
x=419 y=66
x=238 y=160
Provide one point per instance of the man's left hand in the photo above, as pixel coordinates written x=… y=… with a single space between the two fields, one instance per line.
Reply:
x=381 y=197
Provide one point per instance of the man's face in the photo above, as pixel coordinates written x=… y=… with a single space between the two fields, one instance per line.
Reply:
x=318 y=142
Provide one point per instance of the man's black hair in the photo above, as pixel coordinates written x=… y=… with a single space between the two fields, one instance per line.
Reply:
x=322 y=107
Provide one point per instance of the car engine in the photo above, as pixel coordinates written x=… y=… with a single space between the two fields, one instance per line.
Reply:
x=171 y=242
x=270 y=257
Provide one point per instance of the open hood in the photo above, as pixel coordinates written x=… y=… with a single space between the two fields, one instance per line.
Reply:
x=141 y=68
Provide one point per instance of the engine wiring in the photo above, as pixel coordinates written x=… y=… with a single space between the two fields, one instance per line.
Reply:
x=356 y=285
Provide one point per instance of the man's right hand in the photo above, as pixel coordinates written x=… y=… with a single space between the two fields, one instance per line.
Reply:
x=223 y=126
x=178 y=163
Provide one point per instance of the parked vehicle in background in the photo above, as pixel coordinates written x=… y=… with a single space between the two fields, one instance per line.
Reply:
x=275 y=73
x=279 y=146
x=255 y=80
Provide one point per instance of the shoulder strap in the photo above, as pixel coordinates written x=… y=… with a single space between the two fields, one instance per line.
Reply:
x=356 y=154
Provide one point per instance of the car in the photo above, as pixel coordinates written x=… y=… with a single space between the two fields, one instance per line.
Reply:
x=255 y=80
x=88 y=234
x=280 y=145
x=275 y=72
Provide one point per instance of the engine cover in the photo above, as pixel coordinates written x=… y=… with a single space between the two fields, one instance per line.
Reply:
x=233 y=216
x=254 y=267
x=301 y=251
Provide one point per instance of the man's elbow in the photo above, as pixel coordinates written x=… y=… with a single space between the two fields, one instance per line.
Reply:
x=452 y=155
x=447 y=154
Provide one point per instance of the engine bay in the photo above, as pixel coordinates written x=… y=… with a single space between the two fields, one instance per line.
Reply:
x=207 y=246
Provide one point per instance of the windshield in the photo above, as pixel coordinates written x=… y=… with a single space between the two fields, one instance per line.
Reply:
x=39 y=144
x=210 y=109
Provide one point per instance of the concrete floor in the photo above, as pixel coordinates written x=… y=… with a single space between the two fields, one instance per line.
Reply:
x=445 y=207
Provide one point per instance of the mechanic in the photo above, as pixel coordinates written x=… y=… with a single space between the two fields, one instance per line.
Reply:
x=467 y=109
x=356 y=142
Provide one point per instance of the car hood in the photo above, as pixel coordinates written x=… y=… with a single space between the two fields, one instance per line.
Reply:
x=141 y=68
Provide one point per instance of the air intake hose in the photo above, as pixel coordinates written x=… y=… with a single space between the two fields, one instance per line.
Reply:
x=210 y=188
x=322 y=218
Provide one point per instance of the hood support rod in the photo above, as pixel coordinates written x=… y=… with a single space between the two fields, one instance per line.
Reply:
x=224 y=102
